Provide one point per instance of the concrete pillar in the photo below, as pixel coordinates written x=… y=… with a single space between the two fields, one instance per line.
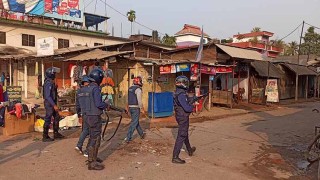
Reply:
x=42 y=72
x=25 y=79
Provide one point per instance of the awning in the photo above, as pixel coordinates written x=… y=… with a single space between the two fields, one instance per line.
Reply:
x=262 y=68
x=299 y=69
x=98 y=54
x=92 y=19
x=240 y=53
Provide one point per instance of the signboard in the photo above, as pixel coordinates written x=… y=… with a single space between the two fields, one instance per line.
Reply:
x=173 y=68
x=208 y=70
x=183 y=67
x=166 y=69
x=71 y=10
x=14 y=93
x=223 y=70
x=194 y=72
x=45 y=46
x=272 y=90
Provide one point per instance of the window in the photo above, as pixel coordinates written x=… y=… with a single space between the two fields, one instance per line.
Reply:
x=63 y=43
x=28 y=40
x=98 y=44
x=2 y=37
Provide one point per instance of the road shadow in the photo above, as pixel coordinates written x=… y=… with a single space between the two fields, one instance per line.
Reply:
x=287 y=134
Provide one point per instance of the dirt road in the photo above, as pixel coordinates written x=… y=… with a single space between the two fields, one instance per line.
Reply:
x=264 y=145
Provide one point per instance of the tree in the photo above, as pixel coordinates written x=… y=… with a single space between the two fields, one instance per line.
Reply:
x=311 y=44
x=168 y=40
x=256 y=29
x=277 y=43
x=131 y=17
x=292 y=48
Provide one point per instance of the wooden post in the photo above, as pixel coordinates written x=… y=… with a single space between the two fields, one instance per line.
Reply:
x=210 y=92
x=10 y=72
x=152 y=99
x=307 y=82
x=148 y=53
x=25 y=79
x=63 y=74
x=232 y=84
x=238 y=83
x=248 y=82
x=315 y=82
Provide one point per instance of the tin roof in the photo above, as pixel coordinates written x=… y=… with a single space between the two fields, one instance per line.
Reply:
x=240 y=53
x=299 y=69
x=98 y=54
x=266 y=69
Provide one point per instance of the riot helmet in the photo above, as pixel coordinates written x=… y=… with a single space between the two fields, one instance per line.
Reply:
x=85 y=78
x=96 y=75
x=51 y=72
x=182 y=82
x=138 y=81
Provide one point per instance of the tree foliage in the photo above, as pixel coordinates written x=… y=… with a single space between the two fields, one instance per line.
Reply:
x=131 y=15
x=256 y=29
x=311 y=42
x=168 y=40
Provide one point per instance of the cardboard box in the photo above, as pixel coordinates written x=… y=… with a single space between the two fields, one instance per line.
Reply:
x=13 y=125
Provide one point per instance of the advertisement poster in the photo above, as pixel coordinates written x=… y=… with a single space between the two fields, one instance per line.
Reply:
x=194 y=72
x=14 y=93
x=45 y=46
x=60 y=9
x=208 y=70
x=272 y=90
x=166 y=69
x=183 y=67
x=173 y=68
x=223 y=70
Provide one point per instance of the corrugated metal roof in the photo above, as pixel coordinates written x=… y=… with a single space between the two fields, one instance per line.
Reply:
x=98 y=54
x=262 y=68
x=240 y=53
x=299 y=69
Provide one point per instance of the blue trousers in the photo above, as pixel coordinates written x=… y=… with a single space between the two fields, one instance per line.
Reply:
x=95 y=128
x=84 y=133
x=50 y=112
x=135 y=114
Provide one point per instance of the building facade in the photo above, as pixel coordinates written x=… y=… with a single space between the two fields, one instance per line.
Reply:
x=190 y=36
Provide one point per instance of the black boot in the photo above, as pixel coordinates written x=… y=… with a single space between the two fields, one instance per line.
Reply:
x=56 y=133
x=45 y=136
x=177 y=160
x=191 y=151
x=93 y=165
x=96 y=150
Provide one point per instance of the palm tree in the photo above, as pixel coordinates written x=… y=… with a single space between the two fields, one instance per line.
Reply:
x=131 y=17
x=256 y=29
x=293 y=48
x=168 y=40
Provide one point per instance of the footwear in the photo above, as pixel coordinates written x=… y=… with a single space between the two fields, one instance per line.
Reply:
x=45 y=136
x=126 y=141
x=95 y=166
x=143 y=136
x=47 y=139
x=85 y=153
x=177 y=160
x=57 y=135
x=78 y=149
x=191 y=151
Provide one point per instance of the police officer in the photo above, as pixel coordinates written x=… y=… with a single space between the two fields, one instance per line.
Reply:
x=135 y=107
x=91 y=106
x=85 y=81
x=50 y=103
x=182 y=109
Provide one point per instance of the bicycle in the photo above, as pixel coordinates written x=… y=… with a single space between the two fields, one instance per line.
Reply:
x=313 y=153
x=200 y=105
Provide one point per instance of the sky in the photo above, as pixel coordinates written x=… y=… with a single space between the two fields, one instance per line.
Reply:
x=220 y=19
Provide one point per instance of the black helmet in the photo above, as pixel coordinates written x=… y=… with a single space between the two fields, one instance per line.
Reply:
x=51 y=72
x=96 y=75
x=86 y=79
x=182 y=82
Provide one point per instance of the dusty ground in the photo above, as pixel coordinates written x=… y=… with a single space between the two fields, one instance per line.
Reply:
x=260 y=145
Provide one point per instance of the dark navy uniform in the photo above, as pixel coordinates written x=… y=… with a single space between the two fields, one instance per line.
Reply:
x=50 y=100
x=182 y=111
x=92 y=106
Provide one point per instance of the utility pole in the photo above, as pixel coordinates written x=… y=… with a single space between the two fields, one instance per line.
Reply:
x=298 y=62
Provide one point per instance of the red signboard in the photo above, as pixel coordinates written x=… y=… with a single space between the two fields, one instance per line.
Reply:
x=208 y=70
x=223 y=70
x=165 y=69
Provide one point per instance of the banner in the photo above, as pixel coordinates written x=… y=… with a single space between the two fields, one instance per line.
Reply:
x=208 y=70
x=14 y=93
x=183 y=67
x=166 y=69
x=45 y=46
x=223 y=70
x=173 y=68
x=272 y=90
x=71 y=10
x=194 y=72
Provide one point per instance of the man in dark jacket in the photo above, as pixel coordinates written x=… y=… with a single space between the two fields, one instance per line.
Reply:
x=50 y=103
x=183 y=108
x=92 y=106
